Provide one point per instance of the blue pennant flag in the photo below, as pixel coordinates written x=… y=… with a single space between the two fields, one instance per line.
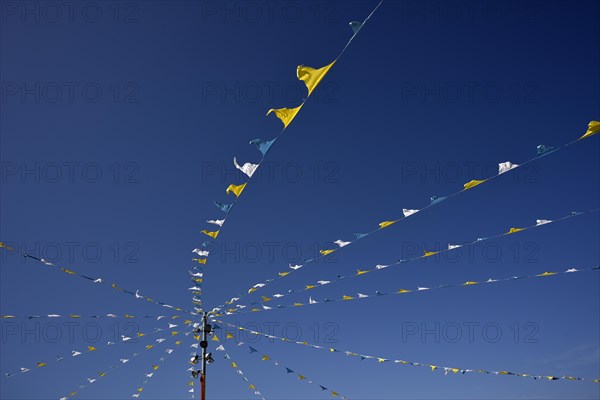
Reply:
x=263 y=146
x=437 y=199
x=223 y=207
x=543 y=150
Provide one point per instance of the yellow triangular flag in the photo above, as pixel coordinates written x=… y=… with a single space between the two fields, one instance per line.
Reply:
x=403 y=291
x=229 y=336
x=593 y=128
x=155 y=367
x=233 y=365
x=312 y=77
x=547 y=274
x=68 y=271
x=347 y=297
x=514 y=230
x=91 y=348
x=473 y=183
x=140 y=390
x=215 y=338
x=211 y=234
x=200 y=261
x=265 y=299
x=286 y=115
x=265 y=358
x=385 y=224
x=433 y=367
x=236 y=189
x=252 y=386
x=41 y=364
x=359 y=272
x=470 y=283
x=283 y=273
x=430 y=253
x=325 y=252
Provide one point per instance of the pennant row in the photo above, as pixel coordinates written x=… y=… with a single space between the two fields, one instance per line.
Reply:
x=111 y=368
x=76 y=353
x=301 y=377
x=235 y=366
x=311 y=78
x=431 y=367
x=451 y=247
x=101 y=281
x=542 y=150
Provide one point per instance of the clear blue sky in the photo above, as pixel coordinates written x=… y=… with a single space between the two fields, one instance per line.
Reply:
x=158 y=97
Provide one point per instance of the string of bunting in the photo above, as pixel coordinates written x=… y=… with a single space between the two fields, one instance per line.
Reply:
x=78 y=353
x=99 y=281
x=111 y=368
x=379 y=293
x=431 y=367
x=312 y=78
x=77 y=316
x=301 y=377
x=153 y=371
x=235 y=366
x=239 y=308
x=195 y=357
x=504 y=167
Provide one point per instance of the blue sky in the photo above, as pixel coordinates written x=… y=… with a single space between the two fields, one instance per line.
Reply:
x=119 y=124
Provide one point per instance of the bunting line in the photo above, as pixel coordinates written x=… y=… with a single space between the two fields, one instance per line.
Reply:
x=155 y=368
x=77 y=316
x=111 y=368
x=378 y=293
x=234 y=365
x=101 y=281
x=542 y=151
x=75 y=353
x=301 y=377
x=432 y=367
x=197 y=279
x=451 y=247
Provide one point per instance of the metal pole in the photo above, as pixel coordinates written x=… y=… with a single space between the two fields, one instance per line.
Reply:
x=203 y=370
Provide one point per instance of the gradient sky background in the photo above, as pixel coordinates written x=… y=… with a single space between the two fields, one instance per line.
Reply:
x=428 y=96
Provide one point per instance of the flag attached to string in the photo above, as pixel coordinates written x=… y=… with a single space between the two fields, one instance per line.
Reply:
x=247 y=168
x=311 y=76
x=286 y=115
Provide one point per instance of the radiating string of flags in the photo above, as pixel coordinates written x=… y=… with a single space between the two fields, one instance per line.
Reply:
x=378 y=293
x=78 y=316
x=301 y=377
x=111 y=368
x=136 y=294
x=154 y=370
x=195 y=358
x=431 y=367
x=239 y=308
x=252 y=387
x=504 y=167
x=311 y=78
x=78 y=353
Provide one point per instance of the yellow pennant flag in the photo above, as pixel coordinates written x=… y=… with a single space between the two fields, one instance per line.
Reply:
x=433 y=367
x=297 y=305
x=233 y=365
x=347 y=297
x=265 y=299
x=430 y=253
x=403 y=291
x=200 y=261
x=473 y=183
x=7 y=247
x=286 y=115
x=129 y=316
x=470 y=283
x=155 y=367
x=547 y=274
x=68 y=271
x=301 y=377
x=140 y=334
x=312 y=77
x=308 y=287
x=235 y=189
x=74 y=316
x=211 y=234
x=91 y=348
x=252 y=386
x=265 y=358
x=359 y=272
x=215 y=338
x=174 y=333
x=41 y=364
x=593 y=128
x=229 y=336
x=514 y=230
x=283 y=273
x=149 y=347
x=325 y=252
x=101 y=374
x=140 y=390
x=385 y=224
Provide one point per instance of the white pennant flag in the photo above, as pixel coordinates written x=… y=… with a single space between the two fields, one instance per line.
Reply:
x=341 y=243
x=381 y=266
x=247 y=168
x=311 y=301
x=453 y=246
x=75 y=353
x=323 y=282
x=220 y=348
x=294 y=267
x=218 y=222
x=408 y=213
x=542 y=221
x=200 y=252
x=506 y=166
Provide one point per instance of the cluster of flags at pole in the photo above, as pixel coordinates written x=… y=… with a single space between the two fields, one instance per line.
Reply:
x=432 y=367
x=542 y=150
x=453 y=246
